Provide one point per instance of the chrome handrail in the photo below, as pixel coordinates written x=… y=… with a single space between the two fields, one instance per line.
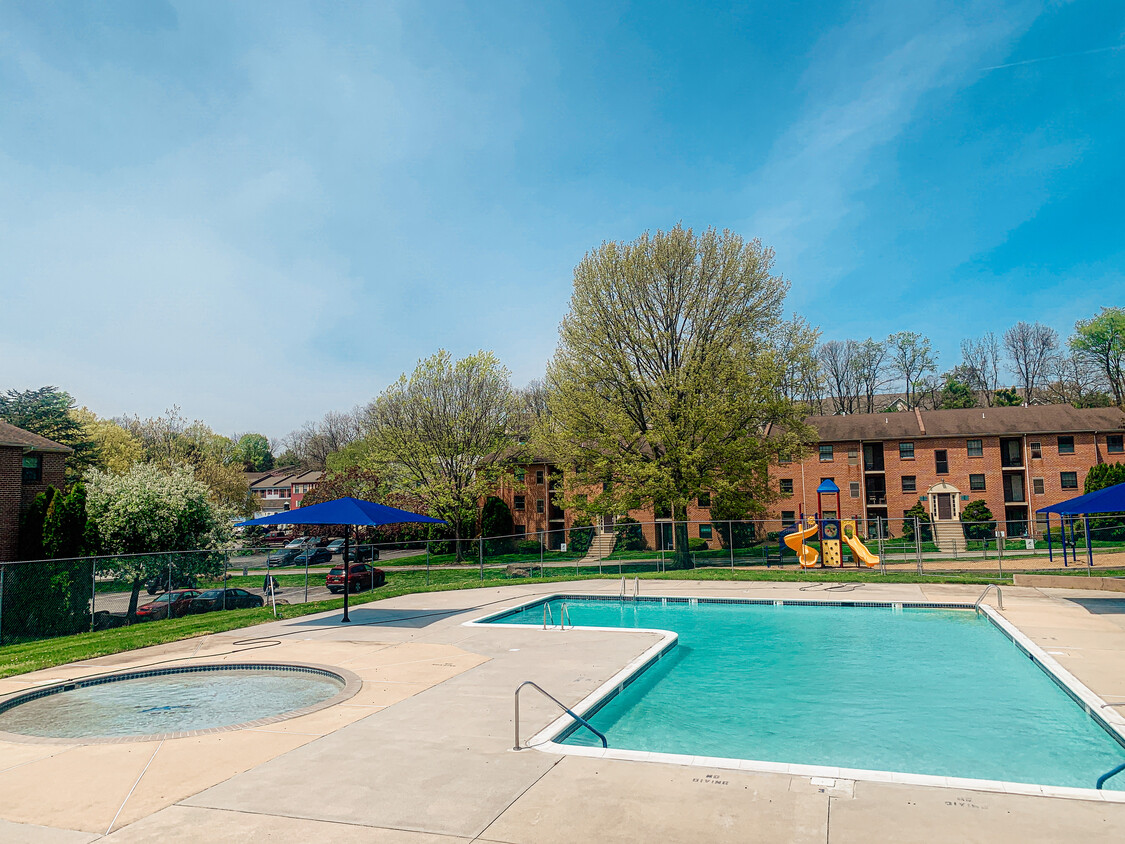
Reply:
x=636 y=587
x=1108 y=774
x=548 y=614
x=561 y=705
x=999 y=597
x=621 y=597
x=564 y=617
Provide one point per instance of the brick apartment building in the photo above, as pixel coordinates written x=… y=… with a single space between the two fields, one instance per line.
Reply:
x=29 y=464
x=282 y=489
x=1016 y=459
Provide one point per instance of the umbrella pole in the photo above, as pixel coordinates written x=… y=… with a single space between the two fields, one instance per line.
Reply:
x=347 y=571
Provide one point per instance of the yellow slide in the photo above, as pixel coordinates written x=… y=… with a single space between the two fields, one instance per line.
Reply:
x=859 y=550
x=796 y=540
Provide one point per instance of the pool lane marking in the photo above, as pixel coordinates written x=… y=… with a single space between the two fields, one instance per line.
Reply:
x=134 y=788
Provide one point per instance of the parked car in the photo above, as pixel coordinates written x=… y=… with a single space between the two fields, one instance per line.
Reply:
x=362 y=553
x=312 y=556
x=360 y=577
x=168 y=605
x=273 y=538
x=318 y=541
x=179 y=580
x=282 y=557
x=336 y=546
x=298 y=543
x=212 y=599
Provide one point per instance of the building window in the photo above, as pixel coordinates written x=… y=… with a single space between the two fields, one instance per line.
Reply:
x=784 y=457
x=976 y=482
x=788 y=517
x=539 y=505
x=1115 y=443
x=854 y=489
x=853 y=457
x=33 y=469
x=909 y=483
x=519 y=530
x=1069 y=480
x=1037 y=485
x=539 y=476
x=1036 y=450
x=906 y=451
x=705 y=531
x=975 y=448
x=1066 y=445
x=786 y=486
x=941 y=461
x=826 y=454
x=518 y=502
x=704 y=499
x=520 y=475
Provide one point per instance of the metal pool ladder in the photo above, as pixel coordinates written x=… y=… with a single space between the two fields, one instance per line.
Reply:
x=564 y=616
x=636 y=589
x=999 y=597
x=561 y=705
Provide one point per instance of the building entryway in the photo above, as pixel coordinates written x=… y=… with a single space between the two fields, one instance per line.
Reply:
x=945 y=515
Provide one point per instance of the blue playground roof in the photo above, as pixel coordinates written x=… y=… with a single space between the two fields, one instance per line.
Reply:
x=828 y=485
x=1108 y=500
x=343 y=511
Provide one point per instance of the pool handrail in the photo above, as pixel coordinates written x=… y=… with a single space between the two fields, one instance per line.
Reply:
x=999 y=597
x=561 y=705
x=547 y=613
x=1108 y=774
x=636 y=587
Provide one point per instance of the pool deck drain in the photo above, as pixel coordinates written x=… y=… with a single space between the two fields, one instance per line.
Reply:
x=422 y=753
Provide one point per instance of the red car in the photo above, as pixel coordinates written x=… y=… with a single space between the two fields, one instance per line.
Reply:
x=361 y=577
x=172 y=604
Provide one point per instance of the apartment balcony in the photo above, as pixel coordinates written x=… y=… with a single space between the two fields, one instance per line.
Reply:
x=876 y=499
x=1009 y=462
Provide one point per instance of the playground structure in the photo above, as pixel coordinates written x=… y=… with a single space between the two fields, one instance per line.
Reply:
x=832 y=531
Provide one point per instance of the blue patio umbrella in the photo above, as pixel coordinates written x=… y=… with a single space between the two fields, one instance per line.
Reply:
x=347 y=512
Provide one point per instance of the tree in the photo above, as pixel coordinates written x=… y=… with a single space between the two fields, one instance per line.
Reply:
x=496 y=521
x=254 y=452
x=1099 y=477
x=146 y=511
x=116 y=449
x=925 y=528
x=838 y=363
x=48 y=413
x=1007 y=397
x=1075 y=379
x=441 y=432
x=955 y=393
x=870 y=367
x=1101 y=342
x=1030 y=347
x=311 y=445
x=802 y=380
x=671 y=364
x=910 y=359
x=730 y=516
x=977 y=520
x=980 y=366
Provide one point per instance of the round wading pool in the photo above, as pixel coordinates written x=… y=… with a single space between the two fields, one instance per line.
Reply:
x=167 y=702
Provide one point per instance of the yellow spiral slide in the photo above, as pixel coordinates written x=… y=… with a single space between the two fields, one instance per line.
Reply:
x=796 y=540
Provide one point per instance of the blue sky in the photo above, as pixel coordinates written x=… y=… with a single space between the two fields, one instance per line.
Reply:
x=196 y=196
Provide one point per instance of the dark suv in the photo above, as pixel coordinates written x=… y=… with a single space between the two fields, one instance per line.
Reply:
x=361 y=577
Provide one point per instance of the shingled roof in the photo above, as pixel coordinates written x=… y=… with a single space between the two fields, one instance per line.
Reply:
x=10 y=436
x=976 y=421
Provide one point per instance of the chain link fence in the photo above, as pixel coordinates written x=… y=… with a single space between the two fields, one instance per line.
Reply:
x=47 y=598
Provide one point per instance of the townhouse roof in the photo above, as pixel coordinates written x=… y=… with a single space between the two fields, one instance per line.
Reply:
x=308 y=477
x=976 y=421
x=270 y=480
x=11 y=436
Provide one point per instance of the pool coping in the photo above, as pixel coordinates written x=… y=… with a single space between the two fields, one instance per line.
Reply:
x=544 y=740
x=352 y=685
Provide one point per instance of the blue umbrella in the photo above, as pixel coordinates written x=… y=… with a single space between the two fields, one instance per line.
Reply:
x=344 y=511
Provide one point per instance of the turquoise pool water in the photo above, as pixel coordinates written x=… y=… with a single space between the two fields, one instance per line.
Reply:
x=940 y=692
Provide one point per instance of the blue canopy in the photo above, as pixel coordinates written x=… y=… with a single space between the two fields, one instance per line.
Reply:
x=828 y=485
x=1108 y=500
x=343 y=511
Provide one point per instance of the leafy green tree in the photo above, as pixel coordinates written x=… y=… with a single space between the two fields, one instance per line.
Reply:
x=956 y=394
x=116 y=449
x=580 y=535
x=496 y=521
x=31 y=526
x=671 y=364
x=367 y=485
x=978 y=521
x=1104 y=475
x=48 y=412
x=1007 y=397
x=1101 y=341
x=146 y=511
x=440 y=434
x=630 y=535
x=730 y=516
x=254 y=451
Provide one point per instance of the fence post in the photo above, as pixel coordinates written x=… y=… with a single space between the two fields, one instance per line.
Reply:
x=4 y=568
x=918 y=542
x=542 y=542
x=480 y=551
x=93 y=590
x=730 y=537
x=427 y=562
x=306 y=574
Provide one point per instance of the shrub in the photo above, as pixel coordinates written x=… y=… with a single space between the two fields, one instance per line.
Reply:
x=923 y=521
x=496 y=521
x=630 y=536
x=527 y=546
x=696 y=544
x=580 y=535
x=978 y=521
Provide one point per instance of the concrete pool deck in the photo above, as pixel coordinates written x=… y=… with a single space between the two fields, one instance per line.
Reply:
x=423 y=752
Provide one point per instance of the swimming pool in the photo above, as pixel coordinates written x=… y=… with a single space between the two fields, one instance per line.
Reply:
x=937 y=692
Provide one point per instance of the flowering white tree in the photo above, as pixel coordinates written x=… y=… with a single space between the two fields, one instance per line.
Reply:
x=148 y=510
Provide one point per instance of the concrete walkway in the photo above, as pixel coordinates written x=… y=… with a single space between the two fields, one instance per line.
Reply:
x=429 y=759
